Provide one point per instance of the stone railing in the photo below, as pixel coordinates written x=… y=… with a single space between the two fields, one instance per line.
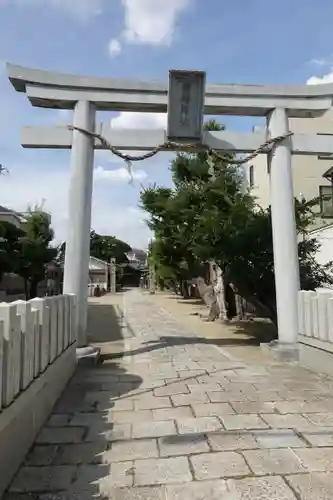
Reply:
x=315 y=312
x=37 y=358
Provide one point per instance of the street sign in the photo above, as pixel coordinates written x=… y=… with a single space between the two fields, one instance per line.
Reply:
x=186 y=98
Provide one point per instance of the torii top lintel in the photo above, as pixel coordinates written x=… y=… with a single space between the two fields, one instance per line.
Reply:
x=61 y=91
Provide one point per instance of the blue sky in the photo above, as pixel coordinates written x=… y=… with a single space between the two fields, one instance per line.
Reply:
x=239 y=41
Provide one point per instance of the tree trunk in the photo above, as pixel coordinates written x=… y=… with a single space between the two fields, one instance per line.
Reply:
x=26 y=289
x=33 y=288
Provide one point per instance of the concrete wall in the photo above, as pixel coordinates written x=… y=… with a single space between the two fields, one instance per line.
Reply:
x=37 y=358
x=325 y=237
x=307 y=170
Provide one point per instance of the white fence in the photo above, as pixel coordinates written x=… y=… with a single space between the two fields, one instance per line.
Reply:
x=316 y=315
x=37 y=358
x=32 y=335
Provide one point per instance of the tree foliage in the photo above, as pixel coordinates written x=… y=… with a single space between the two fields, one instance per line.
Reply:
x=36 y=250
x=208 y=215
x=108 y=247
x=27 y=251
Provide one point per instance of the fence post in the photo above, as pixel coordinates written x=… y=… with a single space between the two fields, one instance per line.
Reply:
x=27 y=343
x=11 y=352
x=53 y=307
x=323 y=315
x=60 y=336
x=1 y=359
x=44 y=330
x=308 y=319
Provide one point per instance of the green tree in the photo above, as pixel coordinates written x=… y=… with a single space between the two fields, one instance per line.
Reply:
x=108 y=247
x=10 y=247
x=35 y=250
x=208 y=215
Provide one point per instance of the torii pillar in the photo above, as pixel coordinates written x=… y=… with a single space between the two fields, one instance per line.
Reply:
x=76 y=275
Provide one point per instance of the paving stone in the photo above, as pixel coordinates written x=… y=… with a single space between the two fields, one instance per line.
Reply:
x=154 y=429
x=189 y=399
x=280 y=461
x=289 y=421
x=59 y=435
x=219 y=465
x=236 y=422
x=212 y=409
x=199 y=490
x=42 y=455
x=140 y=493
x=226 y=396
x=320 y=437
x=320 y=419
x=171 y=389
x=316 y=486
x=109 y=432
x=278 y=438
x=172 y=413
x=122 y=451
x=316 y=459
x=35 y=479
x=162 y=471
x=103 y=479
x=152 y=403
x=255 y=407
x=298 y=407
x=124 y=404
x=263 y=488
x=198 y=425
x=58 y=420
x=230 y=441
x=182 y=445
x=76 y=454
x=130 y=417
x=86 y=419
x=204 y=388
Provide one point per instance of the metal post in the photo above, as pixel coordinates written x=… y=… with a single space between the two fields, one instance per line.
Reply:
x=286 y=265
x=76 y=274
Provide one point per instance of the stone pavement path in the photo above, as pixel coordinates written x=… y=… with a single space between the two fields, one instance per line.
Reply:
x=177 y=418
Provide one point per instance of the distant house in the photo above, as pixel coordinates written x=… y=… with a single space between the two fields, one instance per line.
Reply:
x=137 y=258
x=8 y=215
x=98 y=272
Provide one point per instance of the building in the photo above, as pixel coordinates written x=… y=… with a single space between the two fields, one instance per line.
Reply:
x=137 y=258
x=312 y=176
x=8 y=215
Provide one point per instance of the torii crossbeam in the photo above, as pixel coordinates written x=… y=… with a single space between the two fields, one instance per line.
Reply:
x=86 y=95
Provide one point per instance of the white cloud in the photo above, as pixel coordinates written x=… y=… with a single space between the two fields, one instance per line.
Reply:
x=82 y=9
x=315 y=80
x=114 y=47
x=322 y=61
x=119 y=175
x=151 y=22
x=132 y=119
x=30 y=185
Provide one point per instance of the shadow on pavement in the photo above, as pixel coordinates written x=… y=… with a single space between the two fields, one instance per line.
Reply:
x=69 y=458
x=81 y=432
x=104 y=323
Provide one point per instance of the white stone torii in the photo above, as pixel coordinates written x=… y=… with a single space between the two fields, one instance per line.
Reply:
x=85 y=95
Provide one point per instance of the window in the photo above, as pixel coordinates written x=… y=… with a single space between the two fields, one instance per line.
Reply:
x=251 y=175
x=326 y=201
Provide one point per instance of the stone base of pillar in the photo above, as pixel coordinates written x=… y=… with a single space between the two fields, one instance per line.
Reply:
x=281 y=351
x=88 y=353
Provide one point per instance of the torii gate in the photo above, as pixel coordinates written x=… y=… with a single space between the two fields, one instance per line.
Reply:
x=85 y=95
